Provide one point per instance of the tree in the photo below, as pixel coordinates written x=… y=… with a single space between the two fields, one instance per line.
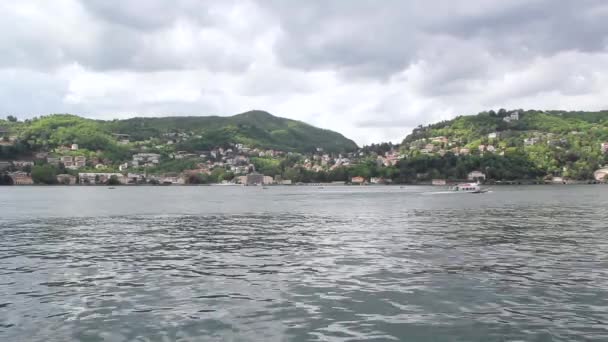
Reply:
x=198 y=178
x=11 y=118
x=5 y=179
x=113 y=180
x=44 y=174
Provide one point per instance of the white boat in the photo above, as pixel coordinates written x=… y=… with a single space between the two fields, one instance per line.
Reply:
x=473 y=188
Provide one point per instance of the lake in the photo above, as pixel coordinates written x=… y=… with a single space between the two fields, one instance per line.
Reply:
x=303 y=264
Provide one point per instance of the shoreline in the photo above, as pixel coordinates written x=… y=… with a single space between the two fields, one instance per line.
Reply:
x=300 y=185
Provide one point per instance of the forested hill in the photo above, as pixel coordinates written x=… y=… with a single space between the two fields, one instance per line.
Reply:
x=254 y=129
x=551 y=143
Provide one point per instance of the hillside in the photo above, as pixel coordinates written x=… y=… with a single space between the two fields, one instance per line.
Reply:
x=255 y=129
x=513 y=144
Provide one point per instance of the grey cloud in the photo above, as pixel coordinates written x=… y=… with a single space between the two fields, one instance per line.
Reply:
x=368 y=68
x=541 y=26
x=376 y=39
x=359 y=38
x=150 y=15
x=124 y=35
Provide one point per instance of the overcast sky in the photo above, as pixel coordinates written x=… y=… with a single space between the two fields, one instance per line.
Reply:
x=369 y=69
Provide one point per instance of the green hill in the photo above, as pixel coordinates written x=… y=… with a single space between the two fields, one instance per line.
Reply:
x=512 y=144
x=255 y=129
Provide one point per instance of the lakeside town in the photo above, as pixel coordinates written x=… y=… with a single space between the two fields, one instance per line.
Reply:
x=234 y=165
x=504 y=147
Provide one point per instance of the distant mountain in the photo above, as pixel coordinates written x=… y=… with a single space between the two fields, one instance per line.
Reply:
x=551 y=143
x=255 y=129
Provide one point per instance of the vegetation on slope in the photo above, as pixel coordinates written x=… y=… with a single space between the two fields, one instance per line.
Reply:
x=553 y=143
x=254 y=128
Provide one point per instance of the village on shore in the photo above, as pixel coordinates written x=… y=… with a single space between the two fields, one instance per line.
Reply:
x=236 y=167
x=160 y=161
x=234 y=163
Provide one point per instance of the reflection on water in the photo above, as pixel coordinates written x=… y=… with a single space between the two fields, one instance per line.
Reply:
x=302 y=266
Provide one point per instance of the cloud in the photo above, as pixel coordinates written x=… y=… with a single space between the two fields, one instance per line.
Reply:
x=370 y=70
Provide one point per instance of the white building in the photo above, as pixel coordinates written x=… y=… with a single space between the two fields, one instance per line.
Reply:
x=146 y=159
x=100 y=177
x=530 y=141
x=476 y=175
x=512 y=117
x=600 y=175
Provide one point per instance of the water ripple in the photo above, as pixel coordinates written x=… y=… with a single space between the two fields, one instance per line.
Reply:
x=507 y=272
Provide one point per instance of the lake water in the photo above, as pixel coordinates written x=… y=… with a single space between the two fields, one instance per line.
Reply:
x=303 y=264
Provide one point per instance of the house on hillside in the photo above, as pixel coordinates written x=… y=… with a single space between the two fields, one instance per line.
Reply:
x=53 y=160
x=122 y=138
x=80 y=161
x=145 y=159
x=476 y=175
x=530 y=141
x=604 y=147
x=41 y=155
x=512 y=117
x=441 y=139
x=67 y=161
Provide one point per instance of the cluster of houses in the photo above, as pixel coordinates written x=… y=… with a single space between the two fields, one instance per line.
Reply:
x=237 y=159
x=442 y=145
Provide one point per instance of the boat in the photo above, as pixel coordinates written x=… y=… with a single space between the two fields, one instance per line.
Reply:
x=111 y=188
x=473 y=188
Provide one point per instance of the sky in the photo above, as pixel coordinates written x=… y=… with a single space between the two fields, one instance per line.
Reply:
x=371 y=70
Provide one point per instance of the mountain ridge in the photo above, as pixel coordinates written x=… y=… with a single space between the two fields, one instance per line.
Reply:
x=255 y=128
